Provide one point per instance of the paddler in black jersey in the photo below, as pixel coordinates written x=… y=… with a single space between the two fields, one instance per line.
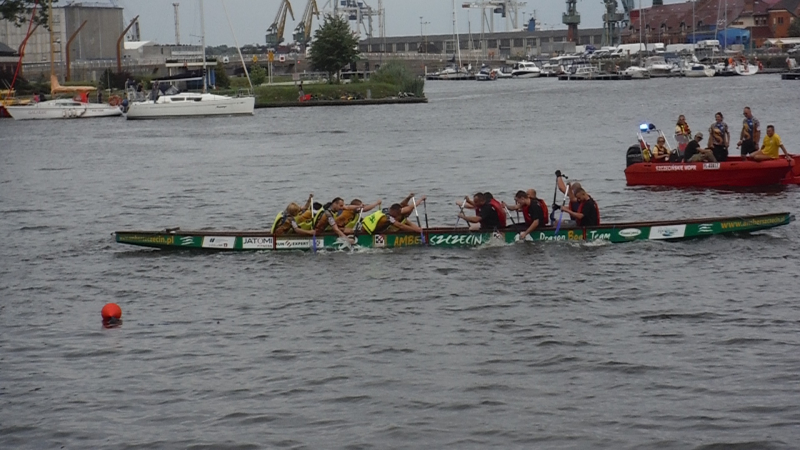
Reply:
x=285 y=222
x=532 y=211
x=379 y=222
x=587 y=213
x=325 y=219
x=490 y=214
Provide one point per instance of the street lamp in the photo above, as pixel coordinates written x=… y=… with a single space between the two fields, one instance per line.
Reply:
x=60 y=62
x=422 y=39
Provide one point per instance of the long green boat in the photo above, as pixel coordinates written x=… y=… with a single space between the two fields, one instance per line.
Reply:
x=175 y=238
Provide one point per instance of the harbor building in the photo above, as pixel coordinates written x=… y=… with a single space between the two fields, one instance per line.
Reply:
x=96 y=41
x=747 y=23
x=498 y=45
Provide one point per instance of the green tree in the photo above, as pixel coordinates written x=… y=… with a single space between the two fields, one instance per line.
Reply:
x=258 y=75
x=334 y=46
x=794 y=28
x=223 y=82
x=19 y=11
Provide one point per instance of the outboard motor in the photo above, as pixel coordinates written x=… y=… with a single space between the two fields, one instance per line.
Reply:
x=634 y=155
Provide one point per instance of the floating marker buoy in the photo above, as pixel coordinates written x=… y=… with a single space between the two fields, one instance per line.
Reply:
x=111 y=312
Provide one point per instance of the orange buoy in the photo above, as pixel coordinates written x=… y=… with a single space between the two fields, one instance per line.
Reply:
x=111 y=311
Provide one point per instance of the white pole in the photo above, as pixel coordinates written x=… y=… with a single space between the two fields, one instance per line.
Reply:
x=203 y=43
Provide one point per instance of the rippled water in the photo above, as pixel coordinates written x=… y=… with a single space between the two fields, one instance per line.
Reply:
x=546 y=345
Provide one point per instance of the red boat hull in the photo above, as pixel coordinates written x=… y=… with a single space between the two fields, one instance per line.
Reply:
x=730 y=173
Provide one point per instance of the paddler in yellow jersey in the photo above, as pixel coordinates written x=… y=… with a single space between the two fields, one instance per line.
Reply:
x=285 y=222
x=379 y=222
x=405 y=210
x=348 y=218
x=325 y=219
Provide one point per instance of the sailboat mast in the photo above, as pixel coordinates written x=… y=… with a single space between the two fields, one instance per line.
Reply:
x=455 y=35
x=52 y=44
x=203 y=43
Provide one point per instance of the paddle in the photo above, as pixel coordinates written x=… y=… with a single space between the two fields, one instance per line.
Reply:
x=561 y=215
x=313 y=236
x=463 y=204
x=425 y=208
x=508 y=213
x=555 y=193
x=422 y=232
x=357 y=226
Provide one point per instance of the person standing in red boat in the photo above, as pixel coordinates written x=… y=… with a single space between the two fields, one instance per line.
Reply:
x=682 y=128
x=769 y=149
x=751 y=133
x=719 y=128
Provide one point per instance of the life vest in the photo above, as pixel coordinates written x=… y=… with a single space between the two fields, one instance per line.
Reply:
x=543 y=205
x=345 y=218
x=685 y=129
x=280 y=221
x=318 y=217
x=596 y=208
x=645 y=150
x=372 y=221
x=501 y=213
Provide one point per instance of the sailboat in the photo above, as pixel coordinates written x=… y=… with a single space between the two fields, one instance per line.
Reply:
x=62 y=108
x=188 y=104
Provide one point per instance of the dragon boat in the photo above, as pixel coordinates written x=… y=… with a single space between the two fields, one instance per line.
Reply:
x=250 y=240
x=732 y=173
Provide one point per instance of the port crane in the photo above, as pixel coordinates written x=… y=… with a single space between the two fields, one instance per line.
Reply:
x=571 y=19
x=359 y=11
x=614 y=21
x=302 y=34
x=508 y=9
x=275 y=31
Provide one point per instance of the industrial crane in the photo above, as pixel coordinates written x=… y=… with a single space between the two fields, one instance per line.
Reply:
x=302 y=34
x=572 y=19
x=275 y=31
x=614 y=21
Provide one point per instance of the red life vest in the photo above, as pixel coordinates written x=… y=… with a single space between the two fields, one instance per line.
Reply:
x=527 y=215
x=543 y=204
x=580 y=210
x=501 y=213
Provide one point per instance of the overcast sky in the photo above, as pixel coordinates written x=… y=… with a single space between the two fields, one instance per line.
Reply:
x=251 y=18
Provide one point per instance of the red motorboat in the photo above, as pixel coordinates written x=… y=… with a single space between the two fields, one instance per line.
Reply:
x=733 y=173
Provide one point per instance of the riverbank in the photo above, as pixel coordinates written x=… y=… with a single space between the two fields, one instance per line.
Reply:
x=363 y=101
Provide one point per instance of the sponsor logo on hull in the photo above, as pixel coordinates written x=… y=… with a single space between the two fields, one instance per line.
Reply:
x=630 y=233
x=219 y=242
x=257 y=243
x=705 y=228
x=295 y=243
x=667 y=232
x=457 y=239
x=711 y=166
x=676 y=168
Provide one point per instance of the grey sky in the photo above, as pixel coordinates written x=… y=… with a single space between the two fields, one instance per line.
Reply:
x=251 y=18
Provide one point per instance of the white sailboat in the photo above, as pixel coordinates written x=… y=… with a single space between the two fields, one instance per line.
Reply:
x=62 y=108
x=193 y=104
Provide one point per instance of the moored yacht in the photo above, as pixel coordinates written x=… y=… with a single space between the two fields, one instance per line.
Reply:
x=525 y=69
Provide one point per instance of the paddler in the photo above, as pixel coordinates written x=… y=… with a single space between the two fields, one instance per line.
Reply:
x=587 y=214
x=569 y=190
x=347 y=220
x=325 y=219
x=379 y=222
x=531 y=193
x=490 y=214
x=532 y=211
x=285 y=222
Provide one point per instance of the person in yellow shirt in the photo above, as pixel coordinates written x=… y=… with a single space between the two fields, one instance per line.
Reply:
x=769 y=149
x=660 y=150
